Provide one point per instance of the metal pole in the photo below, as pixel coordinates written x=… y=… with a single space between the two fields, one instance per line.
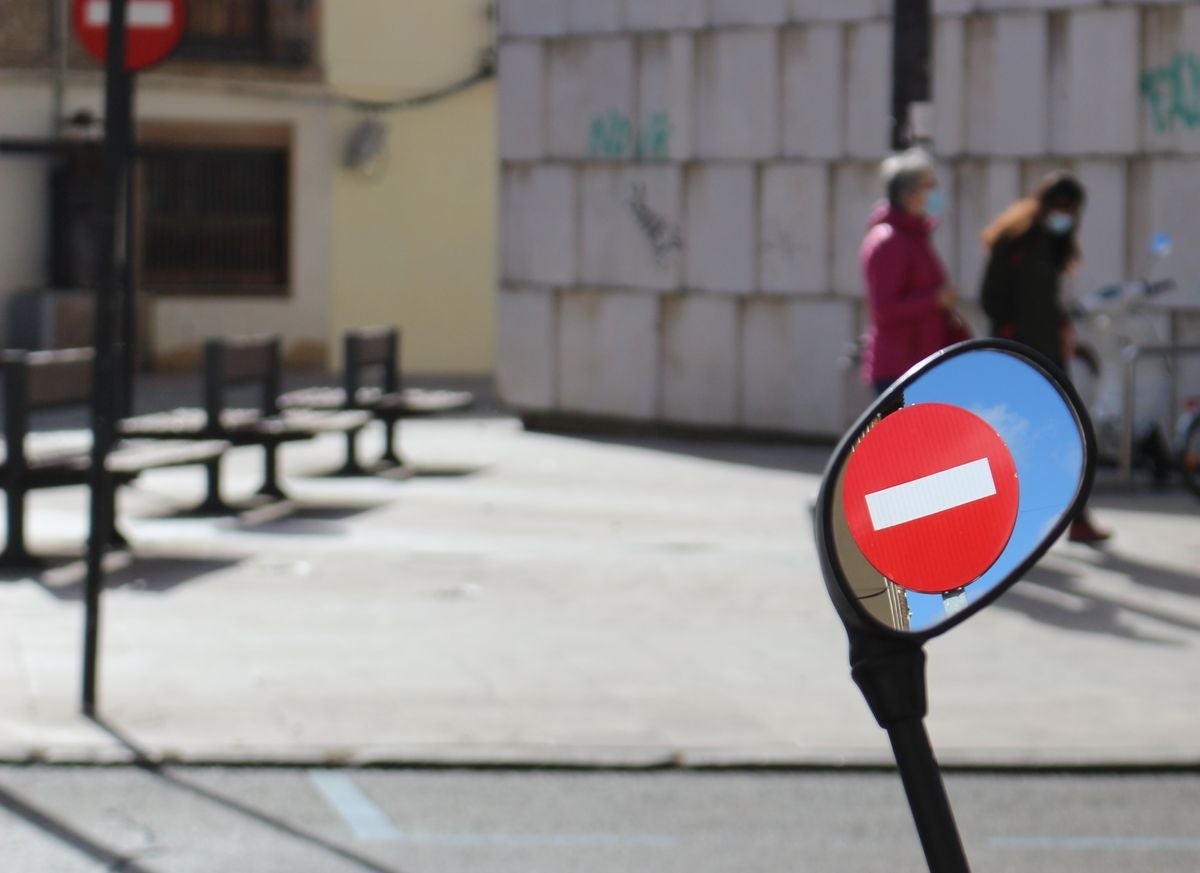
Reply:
x=912 y=40
x=128 y=306
x=117 y=124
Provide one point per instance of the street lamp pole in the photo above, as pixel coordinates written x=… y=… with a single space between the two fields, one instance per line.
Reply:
x=912 y=41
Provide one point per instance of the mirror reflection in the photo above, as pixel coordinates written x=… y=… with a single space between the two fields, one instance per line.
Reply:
x=953 y=486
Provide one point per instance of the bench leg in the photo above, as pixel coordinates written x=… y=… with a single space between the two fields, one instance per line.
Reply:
x=270 y=486
x=391 y=442
x=15 y=554
x=352 y=467
x=213 y=503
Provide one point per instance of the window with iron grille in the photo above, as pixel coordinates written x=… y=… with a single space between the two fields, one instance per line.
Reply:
x=278 y=32
x=214 y=219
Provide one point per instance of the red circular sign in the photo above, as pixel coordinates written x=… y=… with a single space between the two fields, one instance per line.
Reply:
x=152 y=29
x=930 y=495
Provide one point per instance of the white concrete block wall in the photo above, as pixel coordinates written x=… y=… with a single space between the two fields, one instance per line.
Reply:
x=856 y=190
x=533 y=17
x=590 y=99
x=793 y=235
x=1166 y=191
x=723 y=13
x=631 y=226
x=538 y=224
x=1007 y=82
x=868 y=89
x=595 y=16
x=666 y=66
x=522 y=100
x=985 y=189
x=720 y=219
x=700 y=360
x=1104 y=233
x=526 y=331
x=949 y=64
x=793 y=364
x=608 y=353
x=1170 y=57
x=737 y=94
x=813 y=91
x=1094 y=107
x=666 y=14
x=839 y=10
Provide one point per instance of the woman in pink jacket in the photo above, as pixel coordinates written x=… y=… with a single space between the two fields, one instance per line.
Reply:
x=909 y=297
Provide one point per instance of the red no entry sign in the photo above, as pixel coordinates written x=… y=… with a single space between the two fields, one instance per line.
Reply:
x=152 y=29
x=930 y=496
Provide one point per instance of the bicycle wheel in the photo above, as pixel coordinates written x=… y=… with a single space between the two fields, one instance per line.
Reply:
x=1189 y=457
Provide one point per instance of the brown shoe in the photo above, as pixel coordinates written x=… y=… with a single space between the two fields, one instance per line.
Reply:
x=1083 y=531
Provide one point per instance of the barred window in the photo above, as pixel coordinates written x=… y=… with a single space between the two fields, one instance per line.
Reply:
x=214 y=219
x=279 y=32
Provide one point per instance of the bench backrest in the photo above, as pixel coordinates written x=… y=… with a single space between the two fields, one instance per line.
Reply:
x=370 y=349
x=41 y=380
x=241 y=361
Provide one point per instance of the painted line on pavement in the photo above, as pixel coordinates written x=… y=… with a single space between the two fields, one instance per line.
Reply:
x=1095 y=844
x=370 y=824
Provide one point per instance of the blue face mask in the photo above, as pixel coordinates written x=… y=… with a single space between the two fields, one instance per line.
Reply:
x=934 y=204
x=1060 y=223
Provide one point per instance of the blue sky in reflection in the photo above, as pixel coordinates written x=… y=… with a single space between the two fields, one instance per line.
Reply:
x=1041 y=432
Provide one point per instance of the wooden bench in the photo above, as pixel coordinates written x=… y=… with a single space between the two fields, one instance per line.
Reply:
x=252 y=364
x=371 y=381
x=36 y=381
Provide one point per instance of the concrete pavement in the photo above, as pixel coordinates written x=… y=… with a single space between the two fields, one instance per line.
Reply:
x=540 y=599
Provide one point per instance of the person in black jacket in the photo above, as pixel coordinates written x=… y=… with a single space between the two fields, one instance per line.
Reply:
x=1031 y=246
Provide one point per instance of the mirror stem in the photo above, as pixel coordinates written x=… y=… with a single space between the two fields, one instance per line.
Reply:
x=891 y=676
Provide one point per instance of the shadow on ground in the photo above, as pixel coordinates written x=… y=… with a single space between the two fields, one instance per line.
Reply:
x=63 y=576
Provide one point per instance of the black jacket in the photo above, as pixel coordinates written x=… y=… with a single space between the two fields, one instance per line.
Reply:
x=1022 y=290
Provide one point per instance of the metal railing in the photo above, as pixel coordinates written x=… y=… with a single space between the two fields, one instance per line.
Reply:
x=274 y=32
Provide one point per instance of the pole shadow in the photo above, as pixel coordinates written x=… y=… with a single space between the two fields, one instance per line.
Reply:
x=146 y=763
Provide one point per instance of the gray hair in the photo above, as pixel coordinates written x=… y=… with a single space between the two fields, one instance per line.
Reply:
x=902 y=173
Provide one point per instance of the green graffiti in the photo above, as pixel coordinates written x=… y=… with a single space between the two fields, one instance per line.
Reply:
x=1173 y=92
x=614 y=135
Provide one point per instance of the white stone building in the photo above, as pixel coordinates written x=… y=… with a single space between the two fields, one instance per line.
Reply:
x=685 y=184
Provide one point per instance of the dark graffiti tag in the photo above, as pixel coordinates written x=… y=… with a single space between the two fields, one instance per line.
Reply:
x=664 y=237
x=1173 y=92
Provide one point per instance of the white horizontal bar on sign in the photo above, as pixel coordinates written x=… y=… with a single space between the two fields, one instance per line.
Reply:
x=138 y=13
x=930 y=495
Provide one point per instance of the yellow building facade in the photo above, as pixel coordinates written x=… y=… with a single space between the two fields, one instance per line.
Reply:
x=413 y=223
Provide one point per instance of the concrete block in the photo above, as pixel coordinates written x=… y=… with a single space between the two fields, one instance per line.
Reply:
x=1170 y=68
x=608 y=352
x=522 y=100
x=954 y=7
x=856 y=191
x=793 y=368
x=632 y=231
x=595 y=16
x=1094 y=72
x=666 y=14
x=665 y=73
x=1007 y=84
x=793 y=234
x=868 y=89
x=526 y=329
x=538 y=231
x=1008 y=5
x=813 y=91
x=723 y=13
x=700 y=367
x=949 y=73
x=1163 y=194
x=984 y=190
x=532 y=17
x=737 y=94
x=1104 y=234
x=591 y=84
x=839 y=10
x=720 y=217
x=945 y=235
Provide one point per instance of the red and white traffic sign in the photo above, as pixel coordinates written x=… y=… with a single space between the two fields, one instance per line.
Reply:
x=931 y=495
x=153 y=28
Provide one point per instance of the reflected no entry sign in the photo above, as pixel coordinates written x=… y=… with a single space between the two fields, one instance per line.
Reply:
x=931 y=497
x=153 y=28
